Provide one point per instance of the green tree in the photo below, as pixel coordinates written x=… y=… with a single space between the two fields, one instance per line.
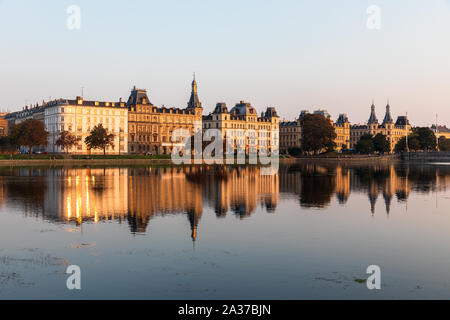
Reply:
x=317 y=133
x=29 y=133
x=99 y=138
x=426 y=138
x=67 y=140
x=381 y=144
x=444 y=144
x=365 y=144
x=413 y=143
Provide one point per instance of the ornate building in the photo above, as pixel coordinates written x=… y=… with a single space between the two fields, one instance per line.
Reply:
x=150 y=127
x=342 y=129
x=394 y=132
x=245 y=127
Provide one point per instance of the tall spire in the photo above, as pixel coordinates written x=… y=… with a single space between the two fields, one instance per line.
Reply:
x=373 y=117
x=388 y=117
x=194 y=102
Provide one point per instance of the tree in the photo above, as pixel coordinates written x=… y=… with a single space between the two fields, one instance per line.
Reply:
x=317 y=133
x=444 y=144
x=294 y=151
x=67 y=140
x=99 y=138
x=413 y=143
x=29 y=133
x=381 y=144
x=426 y=138
x=365 y=144
x=7 y=144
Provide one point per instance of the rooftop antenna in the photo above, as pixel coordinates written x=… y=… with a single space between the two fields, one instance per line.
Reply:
x=407 y=133
x=82 y=92
x=437 y=133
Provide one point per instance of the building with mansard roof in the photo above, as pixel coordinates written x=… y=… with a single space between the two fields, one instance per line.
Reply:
x=242 y=127
x=150 y=127
x=394 y=131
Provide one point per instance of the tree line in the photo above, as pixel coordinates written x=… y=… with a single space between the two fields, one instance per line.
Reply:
x=31 y=133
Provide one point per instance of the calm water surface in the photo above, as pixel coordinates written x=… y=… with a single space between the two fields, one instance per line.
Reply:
x=186 y=233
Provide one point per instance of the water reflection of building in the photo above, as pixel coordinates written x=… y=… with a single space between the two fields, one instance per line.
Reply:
x=87 y=194
x=136 y=195
x=315 y=184
x=162 y=191
x=240 y=190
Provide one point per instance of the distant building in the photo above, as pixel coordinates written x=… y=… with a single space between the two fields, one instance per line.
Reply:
x=151 y=128
x=245 y=127
x=290 y=134
x=27 y=112
x=394 y=132
x=441 y=131
x=291 y=131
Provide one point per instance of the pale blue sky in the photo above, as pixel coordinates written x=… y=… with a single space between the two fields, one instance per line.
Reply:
x=291 y=54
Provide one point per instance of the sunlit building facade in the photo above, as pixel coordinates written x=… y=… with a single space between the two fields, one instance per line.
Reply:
x=241 y=127
x=151 y=127
x=394 y=132
x=80 y=116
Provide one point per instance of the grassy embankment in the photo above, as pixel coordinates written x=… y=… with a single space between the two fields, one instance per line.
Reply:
x=78 y=157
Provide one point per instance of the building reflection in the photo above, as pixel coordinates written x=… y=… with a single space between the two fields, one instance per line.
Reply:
x=136 y=195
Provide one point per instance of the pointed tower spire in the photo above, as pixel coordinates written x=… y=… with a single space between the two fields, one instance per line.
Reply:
x=194 y=102
x=388 y=117
x=373 y=117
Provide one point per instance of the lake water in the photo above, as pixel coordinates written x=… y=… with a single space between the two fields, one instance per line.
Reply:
x=308 y=232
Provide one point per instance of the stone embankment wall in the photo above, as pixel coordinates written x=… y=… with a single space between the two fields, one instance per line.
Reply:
x=426 y=156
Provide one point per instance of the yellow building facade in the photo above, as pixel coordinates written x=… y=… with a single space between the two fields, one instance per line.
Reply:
x=151 y=127
x=241 y=126
x=394 y=132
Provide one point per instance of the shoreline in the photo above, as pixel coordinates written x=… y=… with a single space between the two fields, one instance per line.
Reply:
x=168 y=162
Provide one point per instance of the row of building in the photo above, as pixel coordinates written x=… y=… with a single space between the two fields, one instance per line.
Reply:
x=139 y=127
x=348 y=135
